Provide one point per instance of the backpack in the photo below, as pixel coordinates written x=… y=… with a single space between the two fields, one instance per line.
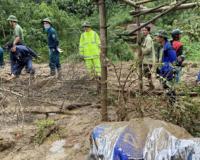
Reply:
x=178 y=47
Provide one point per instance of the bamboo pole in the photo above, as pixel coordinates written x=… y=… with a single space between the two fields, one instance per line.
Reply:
x=144 y=1
x=149 y=11
x=140 y=56
x=156 y=17
x=131 y=3
x=183 y=6
x=103 y=36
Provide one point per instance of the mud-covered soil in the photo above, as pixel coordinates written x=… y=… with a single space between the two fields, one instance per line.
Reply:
x=73 y=104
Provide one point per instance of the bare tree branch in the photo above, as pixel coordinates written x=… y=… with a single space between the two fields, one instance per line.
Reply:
x=183 y=6
x=158 y=16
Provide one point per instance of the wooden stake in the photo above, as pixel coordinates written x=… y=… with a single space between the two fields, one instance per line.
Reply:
x=140 y=56
x=103 y=36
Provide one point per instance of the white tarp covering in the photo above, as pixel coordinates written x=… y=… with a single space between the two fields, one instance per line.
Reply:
x=162 y=145
x=143 y=139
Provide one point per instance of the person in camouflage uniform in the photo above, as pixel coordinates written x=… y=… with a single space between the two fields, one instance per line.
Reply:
x=18 y=37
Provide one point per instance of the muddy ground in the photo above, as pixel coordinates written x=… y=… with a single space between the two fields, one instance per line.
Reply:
x=72 y=104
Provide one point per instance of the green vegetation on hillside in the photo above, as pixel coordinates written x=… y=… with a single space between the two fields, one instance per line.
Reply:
x=68 y=15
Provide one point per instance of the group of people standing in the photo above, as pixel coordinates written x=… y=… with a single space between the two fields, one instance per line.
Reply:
x=21 y=55
x=167 y=64
x=168 y=61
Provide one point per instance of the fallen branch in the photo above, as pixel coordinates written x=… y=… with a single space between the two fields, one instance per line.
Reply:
x=75 y=106
x=13 y=92
x=157 y=92
x=56 y=110
x=191 y=94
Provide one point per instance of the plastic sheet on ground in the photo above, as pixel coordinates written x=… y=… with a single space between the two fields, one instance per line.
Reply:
x=143 y=139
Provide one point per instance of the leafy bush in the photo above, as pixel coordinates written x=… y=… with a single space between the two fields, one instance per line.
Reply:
x=191 y=111
x=68 y=15
x=30 y=17
x=42 y=125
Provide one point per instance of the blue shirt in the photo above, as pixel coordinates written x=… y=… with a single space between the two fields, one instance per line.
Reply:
x=169 y=54
x=52 y=38
x=22 y=54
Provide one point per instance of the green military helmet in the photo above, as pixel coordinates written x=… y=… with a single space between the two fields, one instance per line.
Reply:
x=12 y=18
x=162 y=33
x=46 y=20
x=86 y=24
x=176 y=32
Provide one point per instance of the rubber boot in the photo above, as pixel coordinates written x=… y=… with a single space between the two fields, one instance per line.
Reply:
x=32 y=74
x=151 y=86
x=52 y=73
x=12 y=76
x=59 y=74
x=98 y=79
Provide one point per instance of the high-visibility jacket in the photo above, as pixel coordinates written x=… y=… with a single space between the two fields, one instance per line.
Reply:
x=89 y=45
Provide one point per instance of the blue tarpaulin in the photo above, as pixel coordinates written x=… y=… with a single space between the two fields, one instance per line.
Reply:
x=142 y=139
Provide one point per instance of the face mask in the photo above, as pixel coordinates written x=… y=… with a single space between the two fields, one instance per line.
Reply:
x=46 y=27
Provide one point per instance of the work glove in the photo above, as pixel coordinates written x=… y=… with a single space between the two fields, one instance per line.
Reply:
x=59 y=50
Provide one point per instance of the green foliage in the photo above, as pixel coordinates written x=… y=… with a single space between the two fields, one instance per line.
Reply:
x=191 y=111
x=30 y=16
x=119 y=50
x=192 y=49
x=185 y=112
x=188 y=21
x=117 y=16
x=191 y=33
x=81 y=8
x=68 y=15
x=42 y=125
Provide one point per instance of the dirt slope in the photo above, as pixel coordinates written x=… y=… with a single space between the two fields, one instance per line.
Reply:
x=71 y=103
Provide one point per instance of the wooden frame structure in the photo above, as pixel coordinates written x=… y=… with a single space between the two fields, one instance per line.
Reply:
x=141 y=10
x=138 y=11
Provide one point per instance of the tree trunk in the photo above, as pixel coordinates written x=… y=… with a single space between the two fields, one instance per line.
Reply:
x=103 y=37
x=140 y=56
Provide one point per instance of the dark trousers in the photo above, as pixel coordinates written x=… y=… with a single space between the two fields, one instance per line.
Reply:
x=12 y=63
x=1 y=57
x=17 y=67
x=147 y=70
x=54 y=60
